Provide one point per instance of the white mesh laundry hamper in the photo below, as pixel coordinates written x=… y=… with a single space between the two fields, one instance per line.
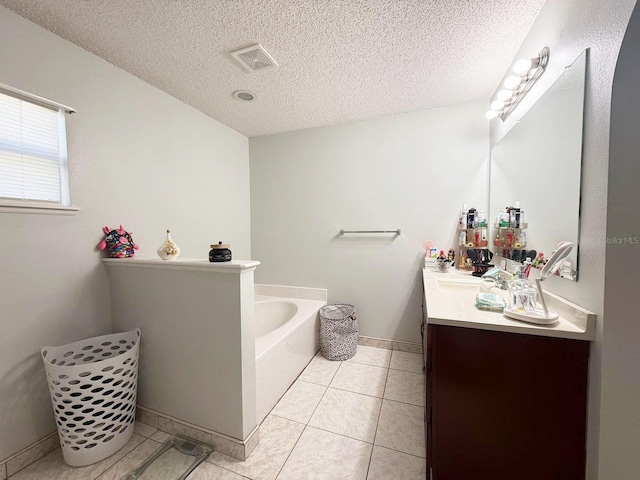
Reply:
x=93 y=385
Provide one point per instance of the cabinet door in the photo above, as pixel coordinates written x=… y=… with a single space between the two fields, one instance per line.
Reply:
x=507 y=406
x=430 y=333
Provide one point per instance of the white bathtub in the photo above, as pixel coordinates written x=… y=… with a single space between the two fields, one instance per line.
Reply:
x=287 y=338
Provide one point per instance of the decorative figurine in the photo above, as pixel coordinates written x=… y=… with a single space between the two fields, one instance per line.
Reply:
x=118 y=243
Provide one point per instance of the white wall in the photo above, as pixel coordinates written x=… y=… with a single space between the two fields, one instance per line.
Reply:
x=411 y=171
x=620 y=431
x=567 y=27
x=137 y=157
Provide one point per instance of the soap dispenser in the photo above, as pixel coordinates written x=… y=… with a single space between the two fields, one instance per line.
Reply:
x=522 y=292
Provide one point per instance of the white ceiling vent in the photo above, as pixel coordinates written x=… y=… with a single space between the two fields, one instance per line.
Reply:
x=254 y=58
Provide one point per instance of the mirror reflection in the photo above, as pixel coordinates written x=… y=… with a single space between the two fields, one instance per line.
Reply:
x=535 y=176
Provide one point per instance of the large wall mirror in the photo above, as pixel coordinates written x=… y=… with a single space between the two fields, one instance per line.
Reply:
x=536 y=169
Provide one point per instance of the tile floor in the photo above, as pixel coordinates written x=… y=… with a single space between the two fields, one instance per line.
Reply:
x=360 y=419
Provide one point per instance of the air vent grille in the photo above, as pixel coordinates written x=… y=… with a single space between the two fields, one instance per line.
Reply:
x=254 y=58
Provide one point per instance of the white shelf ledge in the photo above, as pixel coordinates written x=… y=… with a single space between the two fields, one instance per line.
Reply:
x=234 y=266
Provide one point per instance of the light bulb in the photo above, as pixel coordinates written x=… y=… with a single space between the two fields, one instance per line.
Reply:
x=522 y=66
x=491 y=114
x=512 y=82
x=504 y=95
x=497 y=105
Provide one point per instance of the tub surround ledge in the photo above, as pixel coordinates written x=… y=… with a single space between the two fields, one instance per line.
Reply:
x=302 y=293
x=234 y=266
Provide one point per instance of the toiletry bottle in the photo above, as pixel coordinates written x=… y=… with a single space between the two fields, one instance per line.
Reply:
x=522 y=293
x=527 y=267
x=471 y=218
x=512 y=217
x=504 y=219
x=463 y=218
x=482 y=218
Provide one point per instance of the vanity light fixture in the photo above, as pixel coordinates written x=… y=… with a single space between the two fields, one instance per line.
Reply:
x=527 y=72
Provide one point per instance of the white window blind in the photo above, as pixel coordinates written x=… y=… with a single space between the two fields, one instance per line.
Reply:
x=33 y=151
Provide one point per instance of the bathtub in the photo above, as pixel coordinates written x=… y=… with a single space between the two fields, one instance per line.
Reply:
x=287 y=338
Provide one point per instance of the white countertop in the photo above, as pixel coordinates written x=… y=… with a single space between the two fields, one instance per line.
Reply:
x=234 y=266
x=455 y=306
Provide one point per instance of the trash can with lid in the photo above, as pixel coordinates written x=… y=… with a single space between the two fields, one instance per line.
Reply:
x=93 y=385
x=338 y=331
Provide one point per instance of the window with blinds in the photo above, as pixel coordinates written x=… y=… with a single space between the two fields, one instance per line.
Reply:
x=33 y=152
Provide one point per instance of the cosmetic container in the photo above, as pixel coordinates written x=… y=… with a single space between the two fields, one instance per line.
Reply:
x=522 y=293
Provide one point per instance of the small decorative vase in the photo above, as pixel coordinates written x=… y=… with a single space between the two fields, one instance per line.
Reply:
x=168 y=250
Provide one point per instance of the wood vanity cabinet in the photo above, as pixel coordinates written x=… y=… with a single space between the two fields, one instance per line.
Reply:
x=504 y=406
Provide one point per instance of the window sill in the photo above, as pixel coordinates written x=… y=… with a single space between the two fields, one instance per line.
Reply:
x=35 y=208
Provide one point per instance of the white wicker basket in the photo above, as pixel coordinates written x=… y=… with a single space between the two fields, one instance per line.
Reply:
x=93 y=385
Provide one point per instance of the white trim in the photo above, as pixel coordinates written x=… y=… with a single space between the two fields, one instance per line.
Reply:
x=44 y=102
x=65 y=189
x=34 y=207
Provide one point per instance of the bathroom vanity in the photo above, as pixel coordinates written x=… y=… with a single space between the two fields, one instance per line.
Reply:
x=504 y=399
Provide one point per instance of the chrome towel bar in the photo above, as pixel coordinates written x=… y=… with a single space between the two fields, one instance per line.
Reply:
x=397 y=231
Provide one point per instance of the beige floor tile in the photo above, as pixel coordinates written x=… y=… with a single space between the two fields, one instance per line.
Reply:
x=131 y=460
x=3 y=472
x=405 y=387
x=208 y=471
x=408 y=362
x=52 y=466
x=401 y=428
x=347 y=413
x=160 y=436
x=277 y=438
x=300 y=401
x=320 y=371
x=327 y=456
x=145 y=430
x=360 y=378
x=388 y=464
x=379 y=357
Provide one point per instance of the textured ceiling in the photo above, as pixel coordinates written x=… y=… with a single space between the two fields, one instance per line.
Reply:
x=340 y=60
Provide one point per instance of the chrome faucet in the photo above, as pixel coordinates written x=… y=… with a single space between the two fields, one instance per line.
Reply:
x=499 y=277
x=500 y=282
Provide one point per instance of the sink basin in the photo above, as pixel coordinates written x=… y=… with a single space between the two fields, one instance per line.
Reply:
x=472 y=285
x=458 y=284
